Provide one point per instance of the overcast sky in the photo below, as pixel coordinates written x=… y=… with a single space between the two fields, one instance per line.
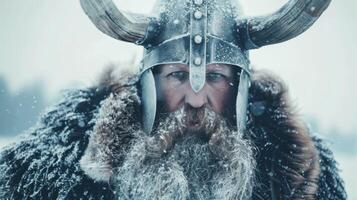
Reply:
x=54 y=42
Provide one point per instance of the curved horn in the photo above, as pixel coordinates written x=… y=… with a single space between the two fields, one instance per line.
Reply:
x=291 y=20
x=107 y=18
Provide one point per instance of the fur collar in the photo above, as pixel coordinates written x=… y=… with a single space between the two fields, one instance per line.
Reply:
x=288 y=166
x=287 y=156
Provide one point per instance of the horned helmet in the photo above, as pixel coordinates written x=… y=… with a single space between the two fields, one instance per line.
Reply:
x=197 y=33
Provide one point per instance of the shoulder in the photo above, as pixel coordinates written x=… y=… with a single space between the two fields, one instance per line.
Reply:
x=289 y=157
x=45 y=163
x=331 y=185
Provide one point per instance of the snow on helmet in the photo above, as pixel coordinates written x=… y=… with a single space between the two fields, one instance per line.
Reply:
x=197 y=33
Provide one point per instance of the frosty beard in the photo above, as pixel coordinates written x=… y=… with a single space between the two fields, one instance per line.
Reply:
x=192 y=154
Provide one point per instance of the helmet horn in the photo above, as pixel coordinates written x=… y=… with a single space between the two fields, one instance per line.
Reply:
x=291 y=20
x=107 y=18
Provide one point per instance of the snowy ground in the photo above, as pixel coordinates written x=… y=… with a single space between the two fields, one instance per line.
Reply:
x=348 y=164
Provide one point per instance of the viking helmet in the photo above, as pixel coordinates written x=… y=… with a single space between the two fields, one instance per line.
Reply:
x=197 y=33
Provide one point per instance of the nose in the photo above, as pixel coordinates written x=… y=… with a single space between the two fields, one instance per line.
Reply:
x=196 y=100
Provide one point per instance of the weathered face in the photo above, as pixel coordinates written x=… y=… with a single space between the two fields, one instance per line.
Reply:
x=194 y=152
x=174 y=90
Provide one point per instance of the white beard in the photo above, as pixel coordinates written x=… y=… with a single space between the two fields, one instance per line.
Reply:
x=187 y=166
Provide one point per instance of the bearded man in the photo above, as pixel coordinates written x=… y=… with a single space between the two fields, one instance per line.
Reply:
x=196 y=123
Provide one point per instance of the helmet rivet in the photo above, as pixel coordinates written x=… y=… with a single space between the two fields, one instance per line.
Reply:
x=197 y=61
x=198 y=39
x=197 y=14
x=198 y=2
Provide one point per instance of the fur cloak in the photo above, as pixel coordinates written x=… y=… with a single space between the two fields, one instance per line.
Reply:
x=291 y=163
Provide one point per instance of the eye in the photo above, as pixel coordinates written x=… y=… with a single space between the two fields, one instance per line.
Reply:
x=215 y=77
x=179 y=75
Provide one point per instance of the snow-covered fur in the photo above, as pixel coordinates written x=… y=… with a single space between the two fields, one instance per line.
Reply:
x=63 y=157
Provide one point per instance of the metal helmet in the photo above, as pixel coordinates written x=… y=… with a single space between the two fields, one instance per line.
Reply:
x=198 y=33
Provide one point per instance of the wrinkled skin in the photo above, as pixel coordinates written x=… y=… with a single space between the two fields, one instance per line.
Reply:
x=174 y=91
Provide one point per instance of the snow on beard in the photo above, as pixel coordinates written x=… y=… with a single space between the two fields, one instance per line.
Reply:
x=208 y=160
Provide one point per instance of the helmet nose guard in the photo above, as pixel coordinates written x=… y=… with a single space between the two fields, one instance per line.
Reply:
x=200 y=32
x=196 y=33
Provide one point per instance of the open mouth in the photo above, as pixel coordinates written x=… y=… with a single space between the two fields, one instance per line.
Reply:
x=195 y=120
x=194 y=124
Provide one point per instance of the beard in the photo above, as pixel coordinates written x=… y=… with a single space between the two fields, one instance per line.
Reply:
x=192 y=154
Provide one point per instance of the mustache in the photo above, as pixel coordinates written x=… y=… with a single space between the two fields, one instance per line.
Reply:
x=173 y=126
x=188 y=116
x=195 y=114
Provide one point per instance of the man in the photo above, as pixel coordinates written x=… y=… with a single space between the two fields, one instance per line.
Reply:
x=196 y=123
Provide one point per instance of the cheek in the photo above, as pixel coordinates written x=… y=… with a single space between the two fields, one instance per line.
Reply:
x=170 y=96
x=222 y=99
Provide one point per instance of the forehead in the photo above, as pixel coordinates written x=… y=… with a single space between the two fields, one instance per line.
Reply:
x=182 y=67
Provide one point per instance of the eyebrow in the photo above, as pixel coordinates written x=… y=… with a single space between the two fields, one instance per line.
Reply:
x=216 y=67
x=174 y=67
x=209 y=68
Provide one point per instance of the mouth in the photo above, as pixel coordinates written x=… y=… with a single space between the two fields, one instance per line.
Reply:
x=195 y=119
x=194 y=124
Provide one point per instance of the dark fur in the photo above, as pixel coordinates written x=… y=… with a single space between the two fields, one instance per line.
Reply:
x=286 y=150
x=292 y=164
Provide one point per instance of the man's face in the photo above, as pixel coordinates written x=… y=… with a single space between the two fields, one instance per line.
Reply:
x=194 y=152
x=218 y=94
